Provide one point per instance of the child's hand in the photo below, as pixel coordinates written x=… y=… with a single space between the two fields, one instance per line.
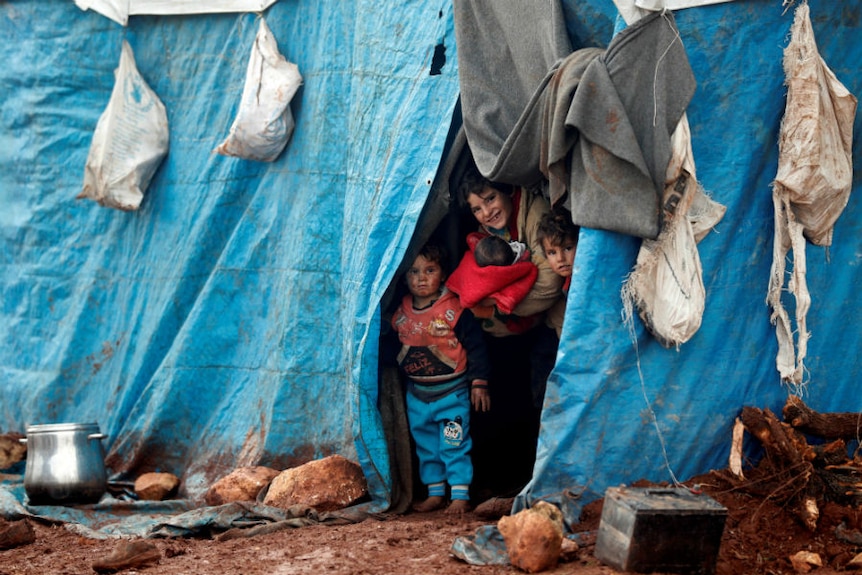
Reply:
x=479 y=396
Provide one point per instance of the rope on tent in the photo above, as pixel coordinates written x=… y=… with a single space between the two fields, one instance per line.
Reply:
x=634 y=338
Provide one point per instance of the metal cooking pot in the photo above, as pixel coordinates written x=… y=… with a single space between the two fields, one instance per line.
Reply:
x=65 y=463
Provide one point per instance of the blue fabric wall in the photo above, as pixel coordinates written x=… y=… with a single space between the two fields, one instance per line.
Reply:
x=619 y=409
x=227 y=322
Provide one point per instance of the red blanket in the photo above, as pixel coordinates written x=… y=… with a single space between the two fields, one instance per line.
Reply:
x=506 y=285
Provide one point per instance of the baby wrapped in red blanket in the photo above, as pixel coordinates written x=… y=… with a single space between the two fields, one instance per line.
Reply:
x=481 y=287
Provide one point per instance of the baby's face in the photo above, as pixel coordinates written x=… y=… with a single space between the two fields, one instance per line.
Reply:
x=560 y=257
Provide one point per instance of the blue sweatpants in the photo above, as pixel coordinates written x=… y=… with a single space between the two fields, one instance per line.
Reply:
x=441 y=430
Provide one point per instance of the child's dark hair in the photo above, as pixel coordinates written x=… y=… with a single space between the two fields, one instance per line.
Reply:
x=434 y=253
x=473 y=182
x=556 y=226
x=493 y=251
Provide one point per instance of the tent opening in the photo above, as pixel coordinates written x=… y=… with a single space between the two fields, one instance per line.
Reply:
x=504 y=438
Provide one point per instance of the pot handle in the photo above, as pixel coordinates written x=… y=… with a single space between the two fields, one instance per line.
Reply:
x=22 y=440
x=97 y=436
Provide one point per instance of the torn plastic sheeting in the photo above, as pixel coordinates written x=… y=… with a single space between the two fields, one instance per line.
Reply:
x=237 y=514
x=484 y=547
x=811 y=187
x=119 y=10
x=109 y=518
x=815 y=162
x=113 y=518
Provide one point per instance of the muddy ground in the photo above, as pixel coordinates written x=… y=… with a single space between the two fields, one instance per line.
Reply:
x=759 y=538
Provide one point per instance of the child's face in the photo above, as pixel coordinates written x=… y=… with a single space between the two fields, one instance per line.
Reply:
x=491 y=208
x=424 y=279
x=561 y=257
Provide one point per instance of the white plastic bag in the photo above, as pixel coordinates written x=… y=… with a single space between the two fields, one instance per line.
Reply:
x=129 y=142
x=666 y=284
x=264 y=122
x=811 y=187
x=815 y=156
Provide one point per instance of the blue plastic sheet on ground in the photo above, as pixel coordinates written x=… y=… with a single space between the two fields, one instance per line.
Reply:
x=114 y=517
x=484 y=547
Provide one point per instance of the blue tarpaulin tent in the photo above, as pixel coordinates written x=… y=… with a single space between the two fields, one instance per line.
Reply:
x=234 y=318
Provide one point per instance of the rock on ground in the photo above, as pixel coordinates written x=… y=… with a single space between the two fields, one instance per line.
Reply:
x=241 y=484
x=326 y=484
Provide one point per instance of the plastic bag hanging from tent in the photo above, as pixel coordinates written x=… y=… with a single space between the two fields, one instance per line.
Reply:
x=129 y=142
x=264 y=122
x=666 y=284
x=813 y=182
x=815 y=164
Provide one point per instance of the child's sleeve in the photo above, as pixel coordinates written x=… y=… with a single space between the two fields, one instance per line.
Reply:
x=469 y=332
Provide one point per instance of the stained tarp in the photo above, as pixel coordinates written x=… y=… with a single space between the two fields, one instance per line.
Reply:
x=234 y=318
x=619 y=406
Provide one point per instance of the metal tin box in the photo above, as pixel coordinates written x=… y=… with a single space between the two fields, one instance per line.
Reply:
x=660 y=529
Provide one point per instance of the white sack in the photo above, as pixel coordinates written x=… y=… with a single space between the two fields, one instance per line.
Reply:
x=129 y=143
x=666 y=284
x=815 y=162
x=812 y=185
x=264 y=122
